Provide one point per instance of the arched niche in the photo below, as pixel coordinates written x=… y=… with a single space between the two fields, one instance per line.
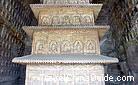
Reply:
x=65 y=47
x=55 y=20
x=46 y=20
x=87 y=20
x=90 y=46
x=76 y=20
x=39 y=46
x=53 y=47
x=78 y=47
x=66 y=20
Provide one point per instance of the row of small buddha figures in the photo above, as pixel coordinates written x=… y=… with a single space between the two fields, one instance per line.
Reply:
x=65 y=47
x=67 y=20
x=65 y=1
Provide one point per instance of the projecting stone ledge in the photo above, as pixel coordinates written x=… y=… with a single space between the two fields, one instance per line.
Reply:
x=66 y=59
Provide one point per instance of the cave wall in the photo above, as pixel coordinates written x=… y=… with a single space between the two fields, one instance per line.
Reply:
x=13 y=40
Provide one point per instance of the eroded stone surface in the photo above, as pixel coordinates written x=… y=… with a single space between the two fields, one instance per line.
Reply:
x=64 y=74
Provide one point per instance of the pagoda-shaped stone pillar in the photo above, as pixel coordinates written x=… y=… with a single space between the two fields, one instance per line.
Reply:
x=65 y=47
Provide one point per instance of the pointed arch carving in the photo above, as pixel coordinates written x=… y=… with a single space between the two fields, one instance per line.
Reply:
x=78 y=47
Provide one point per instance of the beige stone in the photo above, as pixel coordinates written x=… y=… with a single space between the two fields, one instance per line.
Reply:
x=65 y=48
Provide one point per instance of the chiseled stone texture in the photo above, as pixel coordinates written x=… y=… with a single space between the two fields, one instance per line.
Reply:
x=64 y=74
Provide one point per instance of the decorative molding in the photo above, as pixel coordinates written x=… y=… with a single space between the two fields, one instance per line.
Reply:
x=65 y=59
x=64 y=5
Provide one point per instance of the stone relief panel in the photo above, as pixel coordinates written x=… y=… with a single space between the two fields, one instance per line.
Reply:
x=40 y=46
x=67 y=20
x=39 y=43
x=60 y=41
x=67 y=16
x=46 y=20
x=87 y=20
x=55 y=20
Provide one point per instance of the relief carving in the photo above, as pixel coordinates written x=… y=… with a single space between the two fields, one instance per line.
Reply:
x=39 y=46
x=74 y=42
x=66 y=20
x=76 y=20
x=53 y=47
x=55 y=20
x=78 y=47
x=65 y=47
x=90 y=46
x=46 y=20
x=87 y=20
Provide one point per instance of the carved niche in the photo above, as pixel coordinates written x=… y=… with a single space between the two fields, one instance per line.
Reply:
x=40 y=46
x=66 y=20
x=90 y=46
x=54 y=47
x=46 y=20
x=78 y=47
x=87 y=20
x=65 y=47
x=55 y=20
x=76 y=20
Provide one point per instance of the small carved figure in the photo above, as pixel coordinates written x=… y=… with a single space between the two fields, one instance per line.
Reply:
x=66 y=20
x=66 y=47
x=78 y=47
x=76 y=20
x=87 y=20
x=46 y=20
x=90 y=46
x=53 y=47
x=39 y=46
x=55 y=20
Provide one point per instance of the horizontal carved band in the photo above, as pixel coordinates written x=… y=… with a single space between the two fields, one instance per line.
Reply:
x=67 y=19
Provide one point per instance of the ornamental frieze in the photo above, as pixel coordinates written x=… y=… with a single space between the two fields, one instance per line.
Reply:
x=66 y=20
x=66 y=16
x=65 y=42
